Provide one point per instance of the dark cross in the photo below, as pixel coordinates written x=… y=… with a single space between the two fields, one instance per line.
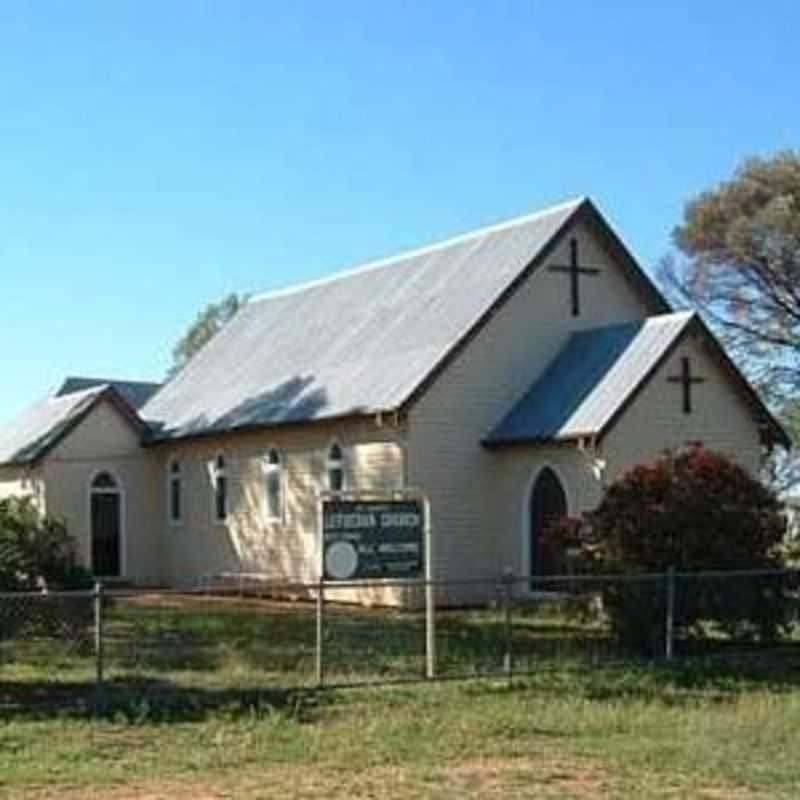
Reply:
x=575 y=271
x=686 y=379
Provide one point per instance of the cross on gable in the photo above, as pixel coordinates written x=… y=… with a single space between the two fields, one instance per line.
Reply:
x=686 y=379
x=575 y=271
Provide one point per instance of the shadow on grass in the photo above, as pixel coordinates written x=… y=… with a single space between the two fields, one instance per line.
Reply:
x=704 y=679
x=185 y=659
x=710 y=678
x=138 y=700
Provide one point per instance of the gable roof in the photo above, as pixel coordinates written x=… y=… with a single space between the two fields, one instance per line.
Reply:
x=41 y=426
x=368 y=340
x=597 y=373
x=136 y=393
x=590 y=378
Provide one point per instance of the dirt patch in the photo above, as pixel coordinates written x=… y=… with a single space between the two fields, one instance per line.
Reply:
x=231 y=602
x=528 y=777
x=290 y=782
x=487 y=779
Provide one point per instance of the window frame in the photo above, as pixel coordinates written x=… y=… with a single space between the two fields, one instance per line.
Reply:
x=332 y=464
x=270 y=469
x=117 y=488
x=218 y=472
x=175 y=476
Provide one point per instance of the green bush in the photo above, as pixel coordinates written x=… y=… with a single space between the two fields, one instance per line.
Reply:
x=691 y=510
x=37 y=553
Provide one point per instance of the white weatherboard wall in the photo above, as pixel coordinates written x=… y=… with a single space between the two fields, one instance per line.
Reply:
x=720 y=418
x=517 y=468
x=247 y=541
x=105 y=440
x=474 y=492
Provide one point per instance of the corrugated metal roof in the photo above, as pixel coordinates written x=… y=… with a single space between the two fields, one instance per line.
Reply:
x=589 y=380
x=135 y=393
x=40 y=426
x=36 y=429
x=358 y=342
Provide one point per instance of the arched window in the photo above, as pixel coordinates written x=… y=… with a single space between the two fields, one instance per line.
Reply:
x=175 y=492
x=335 y=468
x=546 y=507
x=104 y=480
x=106 y=530
x=220 y=483
x=273 y=489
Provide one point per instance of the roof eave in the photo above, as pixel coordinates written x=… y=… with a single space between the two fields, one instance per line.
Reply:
x=23 y=463
x=536 y=441
x=155 y=440
x=768 y=420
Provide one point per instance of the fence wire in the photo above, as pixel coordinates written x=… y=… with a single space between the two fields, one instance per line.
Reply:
x=237 y=638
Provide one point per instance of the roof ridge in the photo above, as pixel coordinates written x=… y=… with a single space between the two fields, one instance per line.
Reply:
x=442 y=244
x=110 y=380
x=77 y=394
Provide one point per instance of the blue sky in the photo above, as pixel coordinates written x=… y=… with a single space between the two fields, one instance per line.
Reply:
x=157 y=155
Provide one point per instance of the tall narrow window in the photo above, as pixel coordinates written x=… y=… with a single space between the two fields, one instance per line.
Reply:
x=335 y=468
x=220 y=478
x=106 y=515
x=175 y=493
x=272 y=485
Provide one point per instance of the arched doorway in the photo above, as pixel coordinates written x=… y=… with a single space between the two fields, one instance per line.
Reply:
x=105 y=507
x=548 y=502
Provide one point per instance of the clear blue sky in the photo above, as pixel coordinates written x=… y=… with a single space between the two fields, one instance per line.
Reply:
x=156 y=155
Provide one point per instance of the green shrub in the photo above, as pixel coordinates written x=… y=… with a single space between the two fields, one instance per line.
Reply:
x=36 y=553
x=35 y=550
x=691 y=510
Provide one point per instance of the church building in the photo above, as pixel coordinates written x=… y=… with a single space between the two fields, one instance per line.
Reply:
x=510 y=374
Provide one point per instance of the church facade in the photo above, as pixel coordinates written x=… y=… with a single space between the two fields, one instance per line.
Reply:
x=510 y=374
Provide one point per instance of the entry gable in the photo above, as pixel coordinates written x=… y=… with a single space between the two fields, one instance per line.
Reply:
x=31 y=436
x=599 y=373
x=110 y=427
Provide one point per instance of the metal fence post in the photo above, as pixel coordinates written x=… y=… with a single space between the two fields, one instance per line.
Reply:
x=99 y=689
x=430 y=629
x=430 y=597
x=669 y=631
x=508 y=601
x=320 y=630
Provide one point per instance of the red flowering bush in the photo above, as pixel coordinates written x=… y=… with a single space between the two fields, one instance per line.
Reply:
x=692 y=510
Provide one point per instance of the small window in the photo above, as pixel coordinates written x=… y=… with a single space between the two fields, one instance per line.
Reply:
x=175 y=492
x=273 y=489
x=335 y=468
x=104 y=481
x=220 y=481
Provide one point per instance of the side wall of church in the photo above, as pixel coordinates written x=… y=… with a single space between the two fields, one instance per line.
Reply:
x=476 y=494
x=105 y=441
x=247 y=541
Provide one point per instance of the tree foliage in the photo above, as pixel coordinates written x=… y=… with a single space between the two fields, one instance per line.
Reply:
x=738 y=263
x=35 y=550
x=692 y=510
x=205 y=326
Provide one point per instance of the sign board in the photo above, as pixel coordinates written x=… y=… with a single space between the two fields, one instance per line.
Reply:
x=377 y=538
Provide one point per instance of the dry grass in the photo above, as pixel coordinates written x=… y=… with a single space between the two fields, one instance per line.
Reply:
x=227 y=730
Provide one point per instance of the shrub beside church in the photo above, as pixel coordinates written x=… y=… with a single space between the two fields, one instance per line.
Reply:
x=691 y=511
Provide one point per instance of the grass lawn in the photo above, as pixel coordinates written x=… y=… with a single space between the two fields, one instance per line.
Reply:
x=199 y=709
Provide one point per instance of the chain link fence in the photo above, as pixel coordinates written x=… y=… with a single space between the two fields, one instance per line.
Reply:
x=234 y=639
